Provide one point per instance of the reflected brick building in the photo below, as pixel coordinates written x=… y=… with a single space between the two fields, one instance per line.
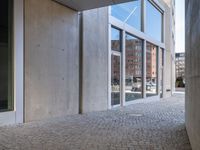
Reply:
x=151 y=55
x=180 y=65
x=134 y=58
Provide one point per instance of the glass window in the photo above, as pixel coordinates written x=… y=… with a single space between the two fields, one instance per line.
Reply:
x=129 y=13
x=151 y=70
x=133 y=89
x=5 y=55
x=115 y=80
x=115 y=39
x=161 y=60
x=153 y=21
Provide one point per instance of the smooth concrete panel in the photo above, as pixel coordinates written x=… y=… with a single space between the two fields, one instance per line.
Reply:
x=95 y=60
x=81 y=5
x=169 y=50
x=193 y=72
x=51 y=60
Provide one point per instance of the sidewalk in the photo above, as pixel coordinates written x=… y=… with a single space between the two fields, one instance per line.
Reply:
x=146 y=126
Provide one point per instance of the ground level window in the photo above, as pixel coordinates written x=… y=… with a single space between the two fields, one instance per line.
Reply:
x=151 y=70
x=115 y=79
x=134 y=48
x=6 y=92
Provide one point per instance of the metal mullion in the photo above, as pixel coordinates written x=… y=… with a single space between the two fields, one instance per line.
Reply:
x=144 y=68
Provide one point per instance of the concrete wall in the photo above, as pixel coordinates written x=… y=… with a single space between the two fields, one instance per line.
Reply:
x=95 y=60
x=193 y=72
x=169 y=51
x=51 y=60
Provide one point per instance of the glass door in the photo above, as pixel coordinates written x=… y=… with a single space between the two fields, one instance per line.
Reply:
x=115 y=79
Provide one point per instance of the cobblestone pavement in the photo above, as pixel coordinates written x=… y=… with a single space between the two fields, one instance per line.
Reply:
x=146 y=126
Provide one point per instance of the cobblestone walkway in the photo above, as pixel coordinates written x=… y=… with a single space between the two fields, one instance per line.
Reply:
x=147 y=126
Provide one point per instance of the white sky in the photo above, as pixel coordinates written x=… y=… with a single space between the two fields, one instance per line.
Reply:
x=180 y=26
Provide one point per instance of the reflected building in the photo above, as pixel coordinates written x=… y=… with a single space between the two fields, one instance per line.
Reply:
x=133 y=58
x=180 y=65
x=151 y=62
x=133 y=68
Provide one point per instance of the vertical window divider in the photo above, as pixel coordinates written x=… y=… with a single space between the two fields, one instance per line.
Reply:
x=109 y=66
x=158 y=70
x=143 y=15
x=144 y=68
x=123 y=66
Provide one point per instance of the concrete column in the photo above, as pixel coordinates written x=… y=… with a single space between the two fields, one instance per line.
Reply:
x=192 y=74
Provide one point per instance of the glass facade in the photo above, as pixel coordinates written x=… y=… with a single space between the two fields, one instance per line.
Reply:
x=6 y=91
x=129 y=85
x=129 y=13
x=151 y=69
x=116 y=47
x=115 y=80
x=153 y=21
x=161 y=58
x=134 y=48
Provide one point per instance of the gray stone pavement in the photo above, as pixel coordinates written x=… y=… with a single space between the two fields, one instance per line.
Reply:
x=145 y=126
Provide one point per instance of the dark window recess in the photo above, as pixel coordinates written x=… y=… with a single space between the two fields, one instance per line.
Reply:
x=6 y=80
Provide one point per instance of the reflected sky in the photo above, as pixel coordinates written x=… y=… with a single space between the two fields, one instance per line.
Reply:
x=153 y=21
x=129 y=13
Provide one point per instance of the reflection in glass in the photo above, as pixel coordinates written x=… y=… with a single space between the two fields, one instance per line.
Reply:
x=133 y=89
x=129 y=13
x=5 y=56
x=151 y=70
x=153 y=21
x=115 y=80
x=115 y=39
x=161 y=58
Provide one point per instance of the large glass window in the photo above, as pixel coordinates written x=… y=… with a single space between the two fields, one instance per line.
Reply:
x=6 y=102
x=151 y=70
x=115 y=39
x=161 y=61
x=116 y=46
x=129 y=13
x=115 y=79
x=153 y=21
x=134 y=67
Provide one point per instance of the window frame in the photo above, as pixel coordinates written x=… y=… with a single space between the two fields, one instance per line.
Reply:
x=160 y=9
x=125 y=28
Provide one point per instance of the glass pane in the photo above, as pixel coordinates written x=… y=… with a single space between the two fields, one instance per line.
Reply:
x=5 y=56
x=115 y=39
x=153 y=21
x=129 y=13
x=133 y=89
x=161 y=58
x=115 y=80
x=151 y=70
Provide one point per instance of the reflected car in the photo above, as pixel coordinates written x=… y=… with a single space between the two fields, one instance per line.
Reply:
x=136 y=86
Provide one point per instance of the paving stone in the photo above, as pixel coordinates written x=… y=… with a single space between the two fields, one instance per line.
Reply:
x=145 y=126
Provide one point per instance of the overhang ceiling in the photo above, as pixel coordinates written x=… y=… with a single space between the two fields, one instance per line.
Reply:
x=81 y=5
